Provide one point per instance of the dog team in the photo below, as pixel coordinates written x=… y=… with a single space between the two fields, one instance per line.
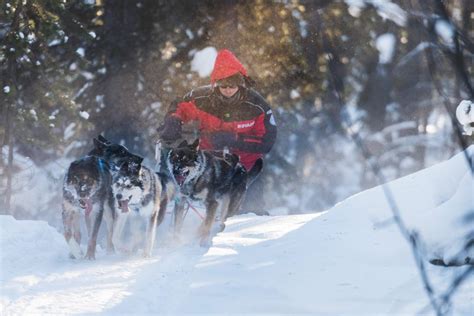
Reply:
x=111 y=183
x=236 y=129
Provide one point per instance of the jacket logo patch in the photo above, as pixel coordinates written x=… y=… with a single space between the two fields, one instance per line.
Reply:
x=245 y=125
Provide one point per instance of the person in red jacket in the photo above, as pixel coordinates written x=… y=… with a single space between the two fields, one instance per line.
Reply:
x=231 y=114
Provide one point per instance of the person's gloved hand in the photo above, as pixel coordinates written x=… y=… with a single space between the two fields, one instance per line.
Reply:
x=220 y=140
x=171 y=129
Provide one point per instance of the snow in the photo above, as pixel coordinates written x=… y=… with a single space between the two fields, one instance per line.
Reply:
x=203 y=61
x=81 y=52
x=84 y=114
x=349 y=260
x=69 y=131
x=294 y=94
x=33 y=114
x=465 y=116
x=31 y=38
x=445 y=30
x=385 y=8
x=6 y=89
x=385 y=44
x=155 y=106
x=189 y=33
x=41 y=185
x=54 y=42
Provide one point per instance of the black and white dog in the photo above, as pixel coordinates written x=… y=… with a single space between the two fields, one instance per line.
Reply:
x=138 y=192
x=87 y=191
x=220 y=183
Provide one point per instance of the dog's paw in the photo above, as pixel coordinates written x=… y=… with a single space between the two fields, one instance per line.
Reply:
x=125 y=250
x=221 y=227
x=110 y=250
x=90 y=256
x=71 y=256
x=75 y=249
x=205 y=242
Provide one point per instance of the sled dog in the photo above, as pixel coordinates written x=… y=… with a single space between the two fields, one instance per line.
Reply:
x=220 y=183
x=87 y=191
x=114 y=154
x=138 y=191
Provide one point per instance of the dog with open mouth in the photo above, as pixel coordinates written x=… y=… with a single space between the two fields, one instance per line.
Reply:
x=139 y=193
x=220 y=182
x=87 y=192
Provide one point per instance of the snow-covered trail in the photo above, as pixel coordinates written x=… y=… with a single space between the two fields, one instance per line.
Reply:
x=120 y=284
x=300 y=264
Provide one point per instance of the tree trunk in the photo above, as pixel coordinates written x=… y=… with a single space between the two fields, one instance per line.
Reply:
x=8 y=141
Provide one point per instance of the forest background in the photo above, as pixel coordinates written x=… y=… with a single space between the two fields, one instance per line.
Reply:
x=392 y=72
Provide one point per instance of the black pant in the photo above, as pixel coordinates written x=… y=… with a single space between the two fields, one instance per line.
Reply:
x=254 y=201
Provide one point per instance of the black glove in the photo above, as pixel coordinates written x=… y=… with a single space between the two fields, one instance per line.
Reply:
x=171 y=129
x=219 y=140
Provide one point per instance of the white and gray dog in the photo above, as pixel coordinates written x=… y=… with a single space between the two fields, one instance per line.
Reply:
x=139 y=193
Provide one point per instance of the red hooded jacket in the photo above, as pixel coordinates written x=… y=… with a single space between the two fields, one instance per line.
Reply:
x=247 y=116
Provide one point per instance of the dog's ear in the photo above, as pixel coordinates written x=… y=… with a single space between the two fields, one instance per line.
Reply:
x=98 y=144
x=99 y=148
x=137 y=160
x=195 y=145
x=183 y=144
x=74 y=164
x=103 y=140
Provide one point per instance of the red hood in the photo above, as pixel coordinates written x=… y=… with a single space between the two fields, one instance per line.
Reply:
x=226 y=65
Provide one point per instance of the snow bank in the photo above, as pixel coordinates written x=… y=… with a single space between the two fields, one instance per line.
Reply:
x=37 y=190
x=432 y=202
x=25 y=245
x=29 y=251
x=351 y=260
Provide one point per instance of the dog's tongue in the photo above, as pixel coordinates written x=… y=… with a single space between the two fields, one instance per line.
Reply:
x=124 y=206
x=88 y=207
x=180 y=179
